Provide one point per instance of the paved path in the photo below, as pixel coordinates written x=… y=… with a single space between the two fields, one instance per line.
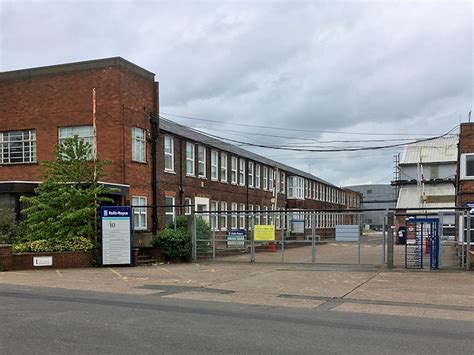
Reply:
x=444 y=295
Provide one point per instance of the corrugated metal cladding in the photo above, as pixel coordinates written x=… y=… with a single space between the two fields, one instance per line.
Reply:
x=434 y=151
x=441 y=195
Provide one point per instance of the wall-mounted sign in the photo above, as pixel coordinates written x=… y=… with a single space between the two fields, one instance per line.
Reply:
x=263 y=232
x=236 y=238
x=42 y=261
x=116 y=235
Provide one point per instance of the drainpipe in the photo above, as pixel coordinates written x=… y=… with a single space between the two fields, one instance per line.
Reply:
x=154 y=141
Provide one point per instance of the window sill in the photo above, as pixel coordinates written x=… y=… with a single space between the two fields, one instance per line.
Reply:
x=191 y=175
x=139 y=162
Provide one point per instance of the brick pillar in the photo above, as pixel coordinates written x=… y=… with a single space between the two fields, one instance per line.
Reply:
x=6 y=257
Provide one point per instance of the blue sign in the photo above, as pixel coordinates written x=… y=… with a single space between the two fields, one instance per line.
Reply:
x=116 y=235
x=471 y=208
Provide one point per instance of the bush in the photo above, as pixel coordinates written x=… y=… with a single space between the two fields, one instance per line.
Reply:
x=44 y=246
x=176 y=244
x=10 y=230
x=203 y=234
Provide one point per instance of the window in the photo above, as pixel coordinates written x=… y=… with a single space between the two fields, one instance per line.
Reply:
x=139 y=213
x=296 y=187
x=242 y=172
x=18 y=147
x=169 y=153
x=467 y=166
x=270 y=179
x=214 y=156
x=223 y=167
x=223 y=215
x=213 y=215
x=138 y=145
x=257 y=214
x=282 y=182
x=278 y=219
x=84 y=132
x=202 y=161
x=242 y=216
x=434 y=172
x=234 y=215
x=257 y=176
x=250 y=176
x=369 y=191
x=169 y=209
x=233 y=171
x=190 y=159
x=188 y=208
x=265 y=178
x=265 y=215
x=314 y=191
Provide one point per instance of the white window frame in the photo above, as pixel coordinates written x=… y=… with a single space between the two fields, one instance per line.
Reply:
x=213 y=215
x=270 y=179
x=464 y=159
x=27 y=143
x=223 y=171
x=242 y=172
x=188 y=201
x=282 y=182
x=265 y=215
x=169 y=153
x=138 y=145
x=257 y=176
x=265 y=178
x=257 y=214
x=139 y=212
x=214 y=164
x=85 y=132
x=190 y=156
x=223 y=215
x=250 y=174
x=242 y=216
x=173 y=209
x=234 y=216
x=202 y=161
x=233 y=170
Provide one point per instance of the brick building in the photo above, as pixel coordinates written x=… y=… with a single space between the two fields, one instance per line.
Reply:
x=155 y=162
x=465 y=176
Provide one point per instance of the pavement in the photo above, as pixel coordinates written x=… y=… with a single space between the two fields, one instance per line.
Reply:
x=445 y=295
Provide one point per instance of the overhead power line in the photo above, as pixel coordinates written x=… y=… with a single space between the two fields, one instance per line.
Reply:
x=290 y=129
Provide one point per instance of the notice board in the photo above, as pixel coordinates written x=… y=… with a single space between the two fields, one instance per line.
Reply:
x=116 y=226
x=263 y=232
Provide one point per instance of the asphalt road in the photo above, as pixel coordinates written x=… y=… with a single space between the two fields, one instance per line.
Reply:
x=45 y=321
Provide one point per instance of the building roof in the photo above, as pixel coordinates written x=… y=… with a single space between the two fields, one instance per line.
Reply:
x=440 y=150
x=70 y=67
x=410 y=196
x=196 y=136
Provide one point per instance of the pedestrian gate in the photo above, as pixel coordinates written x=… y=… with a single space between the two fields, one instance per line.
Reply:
x=423 y=244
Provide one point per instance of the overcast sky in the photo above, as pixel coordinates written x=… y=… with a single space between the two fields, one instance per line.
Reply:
x=309 y=67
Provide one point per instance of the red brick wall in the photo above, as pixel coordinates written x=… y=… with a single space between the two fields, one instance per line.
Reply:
x=47 y=102
x=10 y=261
x=465 y=188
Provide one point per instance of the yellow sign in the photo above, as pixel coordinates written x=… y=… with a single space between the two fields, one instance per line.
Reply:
x=262 y=232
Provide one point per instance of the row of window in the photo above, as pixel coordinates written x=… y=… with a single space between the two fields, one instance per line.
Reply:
x=19 y=147
x=218 y=219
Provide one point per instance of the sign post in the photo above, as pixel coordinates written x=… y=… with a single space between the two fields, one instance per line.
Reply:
x=116 y=222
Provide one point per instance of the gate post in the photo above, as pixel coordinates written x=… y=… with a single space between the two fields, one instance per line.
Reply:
x=313 y=237
x=468 y=242
x=193 y=236
x=390 y=222
x=252 y=240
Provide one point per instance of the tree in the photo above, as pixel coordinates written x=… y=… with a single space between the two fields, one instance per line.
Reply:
x=65 y=204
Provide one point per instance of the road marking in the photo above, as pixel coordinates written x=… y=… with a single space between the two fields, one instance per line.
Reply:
x=117 y=273
x=59 y=273
x=171 y=272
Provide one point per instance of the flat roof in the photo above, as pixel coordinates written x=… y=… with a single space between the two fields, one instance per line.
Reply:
x=76 y=66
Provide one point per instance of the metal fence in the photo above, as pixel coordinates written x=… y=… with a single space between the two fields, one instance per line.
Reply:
x=296 y=236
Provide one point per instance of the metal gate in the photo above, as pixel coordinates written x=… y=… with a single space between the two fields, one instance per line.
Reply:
x=422 y=247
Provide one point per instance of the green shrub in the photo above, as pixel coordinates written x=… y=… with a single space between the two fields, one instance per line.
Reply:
x=44 y=246
x=203 y=234
x=10 y=229
x=176 y=244
x=181 y=222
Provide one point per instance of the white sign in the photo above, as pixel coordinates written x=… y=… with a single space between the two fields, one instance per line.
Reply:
x=42 y=261
x=347 y=233
x=116 y=235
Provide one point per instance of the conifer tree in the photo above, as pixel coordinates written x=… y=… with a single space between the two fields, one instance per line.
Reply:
x=65 y=204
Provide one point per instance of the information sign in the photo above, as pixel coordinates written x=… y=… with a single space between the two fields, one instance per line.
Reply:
x=236 y=238
x=116 y=235
x=263 y=232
